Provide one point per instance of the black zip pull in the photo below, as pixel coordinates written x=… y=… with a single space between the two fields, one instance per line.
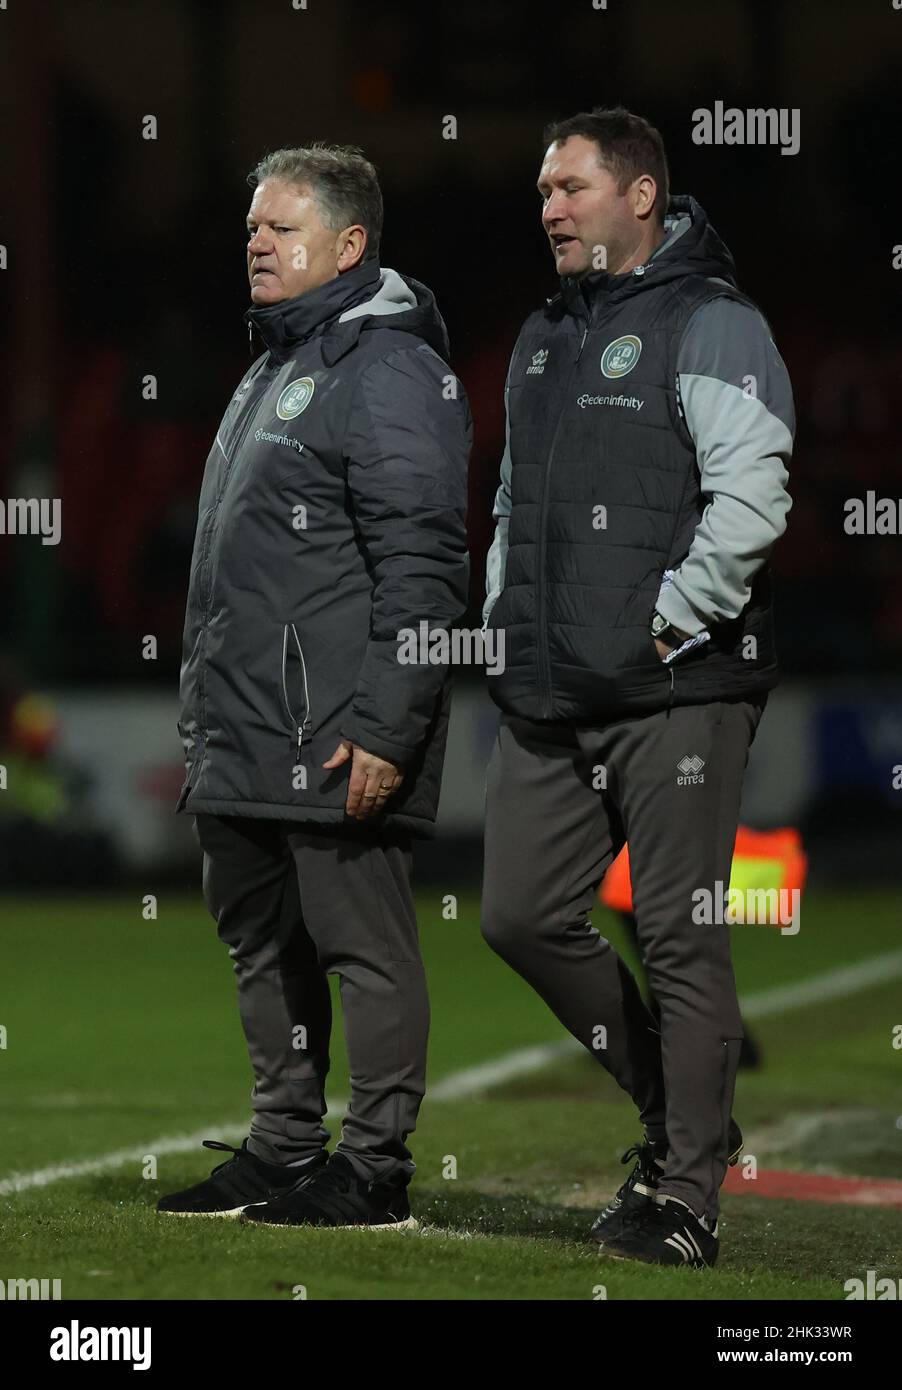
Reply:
x=300 y=739
x=250 y=339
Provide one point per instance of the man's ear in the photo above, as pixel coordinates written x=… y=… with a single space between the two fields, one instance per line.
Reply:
x=645 y=191
x=352 y=247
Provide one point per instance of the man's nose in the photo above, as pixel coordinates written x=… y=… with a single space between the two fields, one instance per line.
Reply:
x=258 y=245
x=553 y=210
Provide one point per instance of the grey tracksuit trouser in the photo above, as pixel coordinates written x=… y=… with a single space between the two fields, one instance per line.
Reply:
x=560 y=801
x=294 y=905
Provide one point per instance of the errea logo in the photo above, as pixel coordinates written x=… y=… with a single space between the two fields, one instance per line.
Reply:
x=621 y=356
x=538 y=363
x=295 y=398
x=691 y=768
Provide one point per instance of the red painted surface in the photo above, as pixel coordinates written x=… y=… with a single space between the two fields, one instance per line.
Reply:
x=811 y=1187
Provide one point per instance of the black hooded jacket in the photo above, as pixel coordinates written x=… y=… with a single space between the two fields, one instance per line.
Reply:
x=331 y=516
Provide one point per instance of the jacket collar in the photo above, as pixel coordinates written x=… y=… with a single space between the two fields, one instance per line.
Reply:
x=580 y=295
x=690 y=247
x=284 y=325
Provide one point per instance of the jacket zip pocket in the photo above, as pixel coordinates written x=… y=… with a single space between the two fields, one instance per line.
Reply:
x=299 y=726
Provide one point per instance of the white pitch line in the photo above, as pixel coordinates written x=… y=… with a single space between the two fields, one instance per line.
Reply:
x=173 y=1144
x=138 y=1153
x=847 y=979
x=471 y=1081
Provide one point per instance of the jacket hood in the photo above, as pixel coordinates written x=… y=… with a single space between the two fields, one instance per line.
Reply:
x=691 y=246
x=369 y=296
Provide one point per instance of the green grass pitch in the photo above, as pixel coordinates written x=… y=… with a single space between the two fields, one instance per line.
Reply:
x=120 y=1031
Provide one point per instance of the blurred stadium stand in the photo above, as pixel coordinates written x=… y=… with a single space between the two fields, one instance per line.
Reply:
x=126 y=259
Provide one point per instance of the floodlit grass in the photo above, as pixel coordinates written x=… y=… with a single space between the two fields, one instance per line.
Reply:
x=121 y=1032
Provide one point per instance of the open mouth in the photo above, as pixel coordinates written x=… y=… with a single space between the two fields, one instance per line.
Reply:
x=563 y=243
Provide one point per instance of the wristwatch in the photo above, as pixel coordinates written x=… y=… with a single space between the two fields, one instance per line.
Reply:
x=662 y=630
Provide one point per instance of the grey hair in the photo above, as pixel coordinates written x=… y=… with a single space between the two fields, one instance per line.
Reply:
x=342 y=180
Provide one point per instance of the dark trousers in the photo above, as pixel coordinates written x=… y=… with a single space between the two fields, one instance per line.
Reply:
x=293 y=906
x=560 y=802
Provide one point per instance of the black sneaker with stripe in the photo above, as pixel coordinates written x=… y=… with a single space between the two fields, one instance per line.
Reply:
x=640 y=1189
x=338 y=1196
x=637 y=1193
x=239 y=1182
x=666 y=1233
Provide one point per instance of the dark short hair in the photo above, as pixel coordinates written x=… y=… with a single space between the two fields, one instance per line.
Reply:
x=628 y=146
x=342 y=180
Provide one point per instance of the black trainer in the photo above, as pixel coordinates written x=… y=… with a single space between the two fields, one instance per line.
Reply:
x=640 y=1189
x=240 y=1181
x=337 y=1196
x=666 y=1233
x=636 y=1194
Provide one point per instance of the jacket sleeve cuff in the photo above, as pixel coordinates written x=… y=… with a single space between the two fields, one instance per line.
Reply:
x=397 y=753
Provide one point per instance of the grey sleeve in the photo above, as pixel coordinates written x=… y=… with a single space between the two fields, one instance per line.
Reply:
x=497 y=556
x=736 y=398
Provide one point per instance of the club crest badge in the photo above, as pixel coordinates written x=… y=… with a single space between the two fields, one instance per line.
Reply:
x=295 y=398
x=621 y=356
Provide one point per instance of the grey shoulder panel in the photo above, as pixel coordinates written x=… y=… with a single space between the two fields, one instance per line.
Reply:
x=730 y=341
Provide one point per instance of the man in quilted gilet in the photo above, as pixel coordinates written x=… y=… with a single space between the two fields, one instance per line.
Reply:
x=649 y=427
